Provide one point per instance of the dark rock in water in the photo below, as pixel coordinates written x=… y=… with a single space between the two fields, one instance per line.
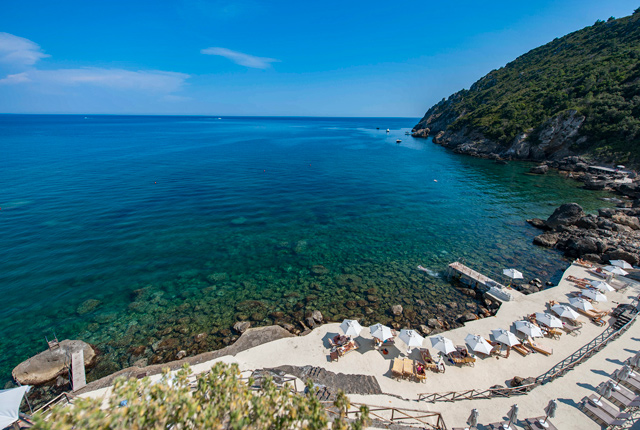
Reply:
x=317 y=316
x=310 y=322
x=181 y=354
x=200 y=337
x=468 y=317
x=567 y=214
x=396 y=310
x=434 y=323
x=595 y=185
x=538 y=223
x=48 y=365
x=241 y=326
x=423 y=133
x=547 y=239
x=351 y=304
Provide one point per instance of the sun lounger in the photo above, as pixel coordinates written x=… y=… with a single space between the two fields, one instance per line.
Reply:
x=396 y=368
x=428 y=361
x=590 y=314
x=407 y=368
x=534 y=424
x=345 y=349
x=599 y=414
x=599 y=273
x=583 y=263
x=633 y=384
x=521 y=349
x=571 y=329
x=553 y=333
x=538 y=348
x=618 y=397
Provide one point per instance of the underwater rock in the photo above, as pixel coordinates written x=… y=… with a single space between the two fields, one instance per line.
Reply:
x=88 y=306
x=181 y=354
x=396 y=310
x=317 y=316
x=239 y=221
x=318 y=270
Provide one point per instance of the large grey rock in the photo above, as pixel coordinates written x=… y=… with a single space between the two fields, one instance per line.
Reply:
x=241 y=326
x=48 y=365
x=396 y=309
x=547 y=239
x=540 y=169
x=567 y=214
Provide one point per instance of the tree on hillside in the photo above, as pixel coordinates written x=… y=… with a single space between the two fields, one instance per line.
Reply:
x=219 y=400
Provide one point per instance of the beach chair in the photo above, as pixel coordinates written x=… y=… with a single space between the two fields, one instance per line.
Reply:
x=396 y=368
x=521 y=349
x=582 y=263
x=599 y=415
x=534 y=424
x=407 y=368
x=537 y=347
x=553 y=333
x=598 y=272
x=420 y=372
x=604 y=411
x=428 y=361
x=572 y=329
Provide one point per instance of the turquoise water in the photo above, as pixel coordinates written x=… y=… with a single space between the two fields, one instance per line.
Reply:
x=133 y=232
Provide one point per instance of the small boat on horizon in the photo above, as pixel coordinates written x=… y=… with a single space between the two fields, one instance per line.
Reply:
x=398 y=141
x=387 y=130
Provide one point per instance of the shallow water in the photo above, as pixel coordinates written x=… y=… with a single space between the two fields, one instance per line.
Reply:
x=129 y=231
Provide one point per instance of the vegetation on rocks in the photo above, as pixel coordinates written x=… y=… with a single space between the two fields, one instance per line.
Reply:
x=592 y=73
x=220 y=400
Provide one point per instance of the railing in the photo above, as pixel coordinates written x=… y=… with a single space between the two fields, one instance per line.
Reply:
x=556 y=371
x=390 y=415
x=61 y=399
x=452 y=396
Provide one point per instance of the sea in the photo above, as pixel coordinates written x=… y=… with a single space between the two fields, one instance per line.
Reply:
x=150 y=235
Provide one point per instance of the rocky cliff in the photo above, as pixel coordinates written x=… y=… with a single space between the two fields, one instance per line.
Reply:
x=577 y=95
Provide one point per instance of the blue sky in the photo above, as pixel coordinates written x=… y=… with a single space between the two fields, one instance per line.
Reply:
x=219 y=57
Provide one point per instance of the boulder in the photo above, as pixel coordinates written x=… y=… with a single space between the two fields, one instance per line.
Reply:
x=538 y=223
x=396 y=309
x=317 y=316
x=241 y=326
x=421 y=133
x=621 y=254
x=567 y=214
x=48 y=365
x=539 y=170
x=628 y=221
x=318 y=270
x=547 y=239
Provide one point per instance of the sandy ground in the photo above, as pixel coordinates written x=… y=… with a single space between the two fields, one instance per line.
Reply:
x=313 y=350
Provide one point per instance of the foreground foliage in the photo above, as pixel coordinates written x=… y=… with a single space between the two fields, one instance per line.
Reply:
x=595 y=71
x=220 y=400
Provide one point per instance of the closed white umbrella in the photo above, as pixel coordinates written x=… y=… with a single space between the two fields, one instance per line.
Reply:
x=351 y=327
x=564 y=311
x=10 y=404
x=381 y=332
x=411 y=338
x=472 y=422
x=594 y=295
x=505 y=337
x=548 y=320
x=602 y=286
x=512 y=273
x=621 y=263
x=550 y=412
x=442 y=344
x=478 y=344
x=529 y=329
x=513 y=416
x=605 y=391
x=616 y=270
x=580 y=303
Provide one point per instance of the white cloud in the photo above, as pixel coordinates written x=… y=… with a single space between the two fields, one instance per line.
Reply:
x=240 y=58
x=18 y=51
x=119 y=79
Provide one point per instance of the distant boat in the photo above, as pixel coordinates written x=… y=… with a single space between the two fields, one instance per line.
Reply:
x=398 y=141
x=387 y=130
x=407 y=133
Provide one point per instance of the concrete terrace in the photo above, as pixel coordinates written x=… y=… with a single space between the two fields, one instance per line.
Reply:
x=313 y=350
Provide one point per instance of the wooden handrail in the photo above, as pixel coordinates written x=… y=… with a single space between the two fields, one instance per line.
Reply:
x=405 y=414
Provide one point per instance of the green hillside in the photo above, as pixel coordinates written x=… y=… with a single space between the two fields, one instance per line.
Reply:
x=595 y=71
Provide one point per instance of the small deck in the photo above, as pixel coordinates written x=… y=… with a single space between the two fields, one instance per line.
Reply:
x=78 y=379
x=467 y=276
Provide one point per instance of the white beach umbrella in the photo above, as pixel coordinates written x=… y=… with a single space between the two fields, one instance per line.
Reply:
x=381 y=332
x=602 y=286
x=505 y=337
x=351 y=327
x=512 y=415
x=411 y=338
x=512 y=273
x=478 y=344
x=442 y=344
x=548 y=320
x=594 y=295
x=621 y=263
x=615 y=270
x=529 y=329
x=473 y=418
x=10 y=401
x=580 y=303
x=564 y=311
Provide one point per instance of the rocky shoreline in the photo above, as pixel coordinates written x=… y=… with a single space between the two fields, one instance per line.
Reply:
x=613 y=234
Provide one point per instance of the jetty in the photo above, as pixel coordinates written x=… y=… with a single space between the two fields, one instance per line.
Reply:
x=467 y=276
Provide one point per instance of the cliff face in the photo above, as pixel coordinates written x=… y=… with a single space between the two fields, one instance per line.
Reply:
x=577 y=95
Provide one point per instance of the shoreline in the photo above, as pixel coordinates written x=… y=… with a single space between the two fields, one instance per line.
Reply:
x=311 y=350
